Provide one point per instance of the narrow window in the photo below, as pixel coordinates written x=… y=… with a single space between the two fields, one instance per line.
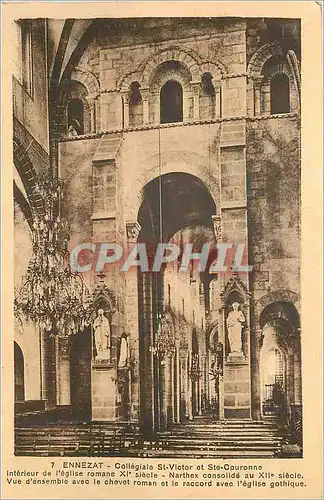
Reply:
x=135 y=106
x=171 y=102
x=207 y=97
x=26 y=55
x=75 y=117
x=279 y=94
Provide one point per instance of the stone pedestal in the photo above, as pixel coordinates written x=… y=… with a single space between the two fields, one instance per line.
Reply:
x=237 y=388
x=103 y=390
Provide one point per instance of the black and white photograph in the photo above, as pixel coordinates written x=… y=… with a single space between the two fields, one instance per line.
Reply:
x=157 y=237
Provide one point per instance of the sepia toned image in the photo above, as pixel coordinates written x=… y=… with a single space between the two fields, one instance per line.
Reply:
x=157 y=237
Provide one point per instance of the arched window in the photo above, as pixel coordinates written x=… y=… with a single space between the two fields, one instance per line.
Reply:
x=75 y=117
x=171 y=102
x=279 y=94
x=19 y=373
x=135 y=105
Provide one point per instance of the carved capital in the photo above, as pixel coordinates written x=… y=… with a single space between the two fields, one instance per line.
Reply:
x=257 y=81
x=258 y=337
x=125 y=97
x=132 y=230
x=217 y=86
x=217 y=222
x=195 y=87
x=145 y=93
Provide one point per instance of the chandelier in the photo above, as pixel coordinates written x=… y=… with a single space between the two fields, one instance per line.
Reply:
x=51 y=295
x=195 y=371
x=164 y=344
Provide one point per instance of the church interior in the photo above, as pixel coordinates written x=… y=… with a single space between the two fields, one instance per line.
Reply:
x=145 y=131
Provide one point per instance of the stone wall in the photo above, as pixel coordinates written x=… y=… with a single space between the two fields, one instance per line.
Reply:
x=32 y=110
x=273 y=165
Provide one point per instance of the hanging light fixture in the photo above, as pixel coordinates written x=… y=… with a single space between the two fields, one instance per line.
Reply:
x=51 y=295
x=195 y=371
x=164 y=343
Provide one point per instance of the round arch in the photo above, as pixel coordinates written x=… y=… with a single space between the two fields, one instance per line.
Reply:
x=187 y=202
x=195 y=65
x=261 y=56
x=187 y=57
x=87 y=79
x=276 y=296
x=191 y=163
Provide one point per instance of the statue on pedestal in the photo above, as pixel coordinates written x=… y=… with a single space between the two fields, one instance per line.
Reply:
x=102 y=336
x=234 y=323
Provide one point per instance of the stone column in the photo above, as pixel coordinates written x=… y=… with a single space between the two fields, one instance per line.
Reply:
x=91 y=103
x=145 y=100
x=125 y=97
x=218 y=99
x=178 y=385
x=250 y=97
x=63 y=371
x=172 y=394
x=97 y=113
x=131 y=307
x=166 y=392
x=195 y=87
x=49 y=372
x=184 y=393
x=190 y=394
x=186 y=98
x=256 y=344
x=218 y=232
x=297 y=370
x=257 y=83
x=266 y=99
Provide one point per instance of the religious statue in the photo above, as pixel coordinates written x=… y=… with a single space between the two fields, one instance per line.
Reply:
x=101 y=328
x=123 y=353
x=234 y=323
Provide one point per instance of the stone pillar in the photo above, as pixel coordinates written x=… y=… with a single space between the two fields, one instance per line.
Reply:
x=190 y=394
x=184 y=392
x=63 y=371
x=145 y=99
x=49 y=373
x=125 y=107
x=147 y=355
x=290 y=378
x=131 y=308
x=297 y=370
x=195 y=87
x=186 y=98
x=218 y=99
x=256 y=344
x=257 y=82
x=250 y=97
x=92 y=107
x=165 y=392
x=266 y=99
x=218 y=232
x=172 y=394
x=178 y=386
x=97 y=114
